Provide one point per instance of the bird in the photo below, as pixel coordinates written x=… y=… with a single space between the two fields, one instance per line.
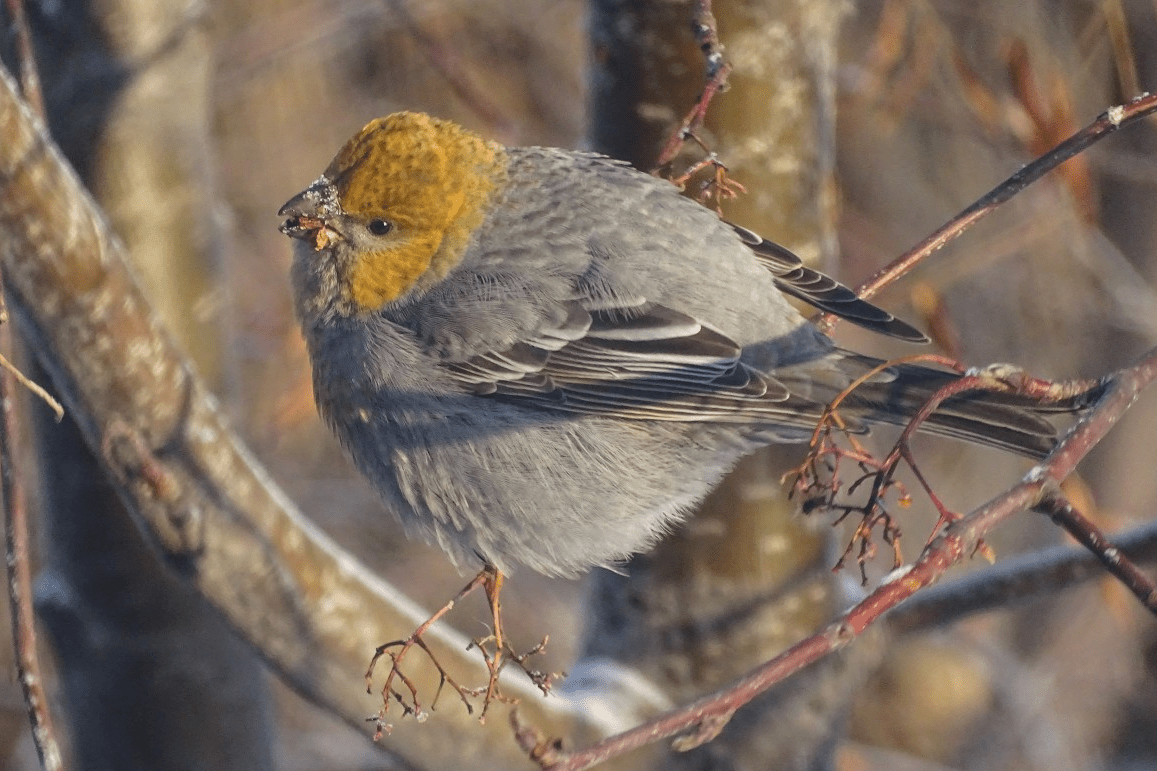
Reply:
x=543 y=358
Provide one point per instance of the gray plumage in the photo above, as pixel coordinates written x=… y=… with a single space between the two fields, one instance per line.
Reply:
x=603 y=352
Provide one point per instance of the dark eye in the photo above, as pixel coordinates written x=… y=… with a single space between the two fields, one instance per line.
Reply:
x=379 y=227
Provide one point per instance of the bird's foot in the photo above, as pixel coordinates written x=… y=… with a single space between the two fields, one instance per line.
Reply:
x=401 y=690
x=496 y=660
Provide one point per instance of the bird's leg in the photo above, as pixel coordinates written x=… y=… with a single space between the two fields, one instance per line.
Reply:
x=503 y=653
x=492 y=584
x=492 y=580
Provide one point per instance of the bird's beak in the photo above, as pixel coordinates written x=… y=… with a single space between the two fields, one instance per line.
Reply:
x=301 y=205
x=307 y=213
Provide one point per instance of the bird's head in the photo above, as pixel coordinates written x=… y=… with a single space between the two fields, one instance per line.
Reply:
x=393 y=211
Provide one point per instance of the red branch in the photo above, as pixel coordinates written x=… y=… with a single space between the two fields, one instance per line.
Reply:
x=1064 y=513
x=1105 y=124
x=701 y=720
x=19 y=570
x=718 y=68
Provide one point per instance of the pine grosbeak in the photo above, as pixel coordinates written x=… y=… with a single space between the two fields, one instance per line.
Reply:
x=545 y=357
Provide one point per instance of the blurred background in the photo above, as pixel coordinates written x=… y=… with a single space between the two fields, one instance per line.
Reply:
x=935 y=102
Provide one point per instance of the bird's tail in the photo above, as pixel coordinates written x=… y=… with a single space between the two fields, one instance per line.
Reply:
x=1006 y=421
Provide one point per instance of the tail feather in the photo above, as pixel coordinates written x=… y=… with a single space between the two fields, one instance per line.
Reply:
x=1006 y=421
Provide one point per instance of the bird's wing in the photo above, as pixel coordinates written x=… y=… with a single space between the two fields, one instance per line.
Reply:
x=648 y=363
x=824 y=292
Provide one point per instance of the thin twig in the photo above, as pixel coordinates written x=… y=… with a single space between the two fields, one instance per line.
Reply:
x=1064 y=513
x=414 y=706
x=718 y=69
x=446 y=63
x=1021 y=577
x=36 y=389
x=20 y=571
x=29 y=74
x=1105 y=124
x=16 y=538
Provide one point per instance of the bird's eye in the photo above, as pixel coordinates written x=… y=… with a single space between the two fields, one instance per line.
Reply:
x=380 y=227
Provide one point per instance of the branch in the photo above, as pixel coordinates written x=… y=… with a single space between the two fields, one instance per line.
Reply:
x=1017 y=578
x=701 y=720
x=718 y=69
x=26 y=56
x=16 y=538
x=1116 y=562
x=19 y=569
x=1105 y=124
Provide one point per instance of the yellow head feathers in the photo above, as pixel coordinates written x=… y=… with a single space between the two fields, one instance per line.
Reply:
x=430 y=180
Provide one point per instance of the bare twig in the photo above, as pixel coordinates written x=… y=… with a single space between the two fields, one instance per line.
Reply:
x=999 y=378
x=414 y=706
x=957 y=541
x=1017 y=578
x=1105 y=124
x=706 y=34
x=449 y=66
x=718 y=69
x=817 y=477
x=15 y=514
x=1064 y=513
x=20 y=571
x=496 y=654
x=35 y=388
x=30 y=90
x=29 y=74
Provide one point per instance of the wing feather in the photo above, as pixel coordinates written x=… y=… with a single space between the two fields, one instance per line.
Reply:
x=822 y=291
x=646 y=362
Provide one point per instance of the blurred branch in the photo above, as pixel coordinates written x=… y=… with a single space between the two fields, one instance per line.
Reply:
x=29 y=74
x=1105 y=124
x=1124 y=54
x=16 y=538
x=1064 y=513
x=1017 y=578
x=449 y=65
x=745 y=576
x=126 y=86
x=313 y=611
x=702 y=720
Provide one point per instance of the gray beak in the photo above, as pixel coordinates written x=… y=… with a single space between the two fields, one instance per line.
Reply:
x=304 y=204
x=308 y=211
